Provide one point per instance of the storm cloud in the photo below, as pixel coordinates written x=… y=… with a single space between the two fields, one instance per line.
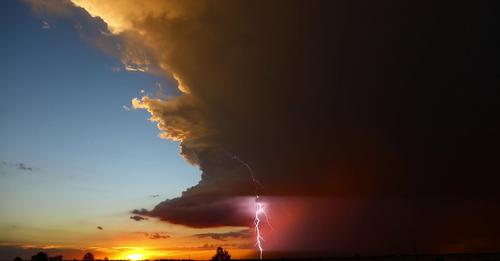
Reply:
x=375 y=101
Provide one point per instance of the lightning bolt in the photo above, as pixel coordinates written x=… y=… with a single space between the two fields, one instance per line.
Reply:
x=259 y=208
x=250 y=170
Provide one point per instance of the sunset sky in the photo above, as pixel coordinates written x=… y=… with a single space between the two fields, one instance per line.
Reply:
x=91 y=159
x=146 y=129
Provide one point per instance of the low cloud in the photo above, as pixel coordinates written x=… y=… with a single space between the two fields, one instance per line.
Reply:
x=225 y=245
x=158 y=236
x=245 y=233
x=154 y=235
x=138 y=218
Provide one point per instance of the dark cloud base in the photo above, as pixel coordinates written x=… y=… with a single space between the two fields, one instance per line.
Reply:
x=202 y=211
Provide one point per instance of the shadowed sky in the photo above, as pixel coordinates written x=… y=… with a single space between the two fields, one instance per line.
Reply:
x=371 y=126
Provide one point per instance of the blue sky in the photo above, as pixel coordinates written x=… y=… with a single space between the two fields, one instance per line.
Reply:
x=61 y=113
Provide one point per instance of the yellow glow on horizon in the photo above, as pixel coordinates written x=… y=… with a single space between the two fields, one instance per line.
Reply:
x=135 y=256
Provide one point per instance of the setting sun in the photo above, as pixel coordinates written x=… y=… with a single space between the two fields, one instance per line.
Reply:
x=135 y=256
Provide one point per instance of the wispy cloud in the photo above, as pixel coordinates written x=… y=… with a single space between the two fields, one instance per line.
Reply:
x=17 y=165
x=45 y=25
x=158 y=236
x=154 y=235
x=22 y=166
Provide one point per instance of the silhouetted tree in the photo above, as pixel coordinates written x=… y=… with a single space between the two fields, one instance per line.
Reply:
x=88 y=257
x=106 y=258
x=41 y=256
x=18 y=259
x=221 y=254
